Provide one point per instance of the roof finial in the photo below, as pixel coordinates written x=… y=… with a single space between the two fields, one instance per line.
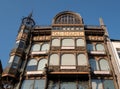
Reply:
x=30 y=15
x=101 y=21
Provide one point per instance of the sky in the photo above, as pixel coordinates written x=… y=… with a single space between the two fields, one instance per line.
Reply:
x=12 y=12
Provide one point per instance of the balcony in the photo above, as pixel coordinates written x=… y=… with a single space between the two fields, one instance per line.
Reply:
x=97 y=52
x=33 y=73
x=102 y=72
x=39 y=52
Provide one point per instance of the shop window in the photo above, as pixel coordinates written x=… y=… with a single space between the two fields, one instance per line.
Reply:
x=108 y=84
x=33 y=84
x=100 y=47
x=54 y=59
x=42 y=63
x=68 y=85
x=32 y=65
x=68 y=59
x=80 y=42
x=93 y=64
x=55 y=42
x=68 y=42
x=104 y=64
x=82 y=60
x=45 y=47
x=97 y=84
x=83 y=85
x=36 y=47
x=53 y=85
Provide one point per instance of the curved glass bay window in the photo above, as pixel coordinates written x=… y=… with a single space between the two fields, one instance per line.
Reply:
x=14 y=61
x=68 y=59
x=54 y=59
x=102 y=84
x=42 y=64
x=80 y=42
x=101 y=65
x=90 y=47
x=32 y=65
x=33 y=84
x=82 y=60
x=45 y=47
x=36 y=47
x=94 y=64
x=19 y=44
x=100 y=47
x=104 y=64
x=68 y=43
x=55 y=42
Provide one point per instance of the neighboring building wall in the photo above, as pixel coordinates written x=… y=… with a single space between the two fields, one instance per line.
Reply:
x=114 y=47
x=0 y=73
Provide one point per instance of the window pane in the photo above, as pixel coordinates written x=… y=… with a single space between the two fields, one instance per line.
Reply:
x=97 y=84
x=83 y=85
x=39 y=84
x=54 y=59
x=36 y=47
x=90 y=47
x=53 y=85
x=45 y=47
x=68 y=42
x=21 y=44
x=32 y=65
x=55 y=42
x=68 y=85
x=80 y=42
x=93 y=64
x=108 y=84
x=28 y=84
x=82 y=60
x=16 y=59
x=41 y=64
x=104 y=64
x=100 y=47
x=11 y=59
x=68 y=59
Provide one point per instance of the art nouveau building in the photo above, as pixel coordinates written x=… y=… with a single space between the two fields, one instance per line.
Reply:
x=66 y=55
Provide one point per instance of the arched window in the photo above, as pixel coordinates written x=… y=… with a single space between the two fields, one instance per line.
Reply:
x=55 y=42
x=82 y=60
x=104 y=64
x=68 y=42
x=80 y=42
x=68 y=59
x=90 y=47
x=32 y=65
x=93 y=64
x=54 y=59
x=42 y=64
x=67 y=19
x=100 y=47
x=36 y=47
x=45 y=47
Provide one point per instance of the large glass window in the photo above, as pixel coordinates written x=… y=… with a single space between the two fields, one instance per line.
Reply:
x=68 y=85
x=68 y=59
x=80 y=42
x=53 y=85
x=42 y=64
x=93 y=64
x=36 y=47
x=102 y=84
x=97 y=84
x=54 y=59
x=16 y=62
x=104 y=64
x=100 y=47
x=83 y=85
x=68 y=42
x=33 y=84
x=45 y=47
x=56 y=42
x=82 y=60
x=90 y=47
x=32 y=65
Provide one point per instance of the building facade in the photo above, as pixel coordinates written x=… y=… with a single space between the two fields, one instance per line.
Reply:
x=66 y=55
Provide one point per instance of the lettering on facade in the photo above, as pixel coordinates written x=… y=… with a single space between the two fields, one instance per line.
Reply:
x=95 y=38
x=67 y=33
x=37 y=38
